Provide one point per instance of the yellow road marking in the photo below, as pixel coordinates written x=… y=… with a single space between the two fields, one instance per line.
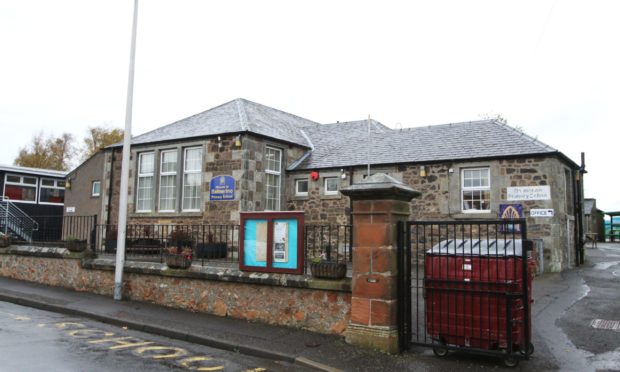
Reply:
x=64 y=325
x=122 y=343
x=88 y=333
x=176 y=351
x=188 y=361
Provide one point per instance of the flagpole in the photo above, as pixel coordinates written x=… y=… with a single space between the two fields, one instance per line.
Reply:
x=122 y=207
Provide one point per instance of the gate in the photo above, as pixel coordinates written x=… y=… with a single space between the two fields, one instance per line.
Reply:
x=464 y=285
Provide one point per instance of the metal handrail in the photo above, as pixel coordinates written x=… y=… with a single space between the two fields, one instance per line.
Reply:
x=12 y=213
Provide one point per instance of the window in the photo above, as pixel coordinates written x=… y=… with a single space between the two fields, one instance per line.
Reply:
x=273 y=172
x=301 y=187
x=146 y=168
x=51 y=191
x=168 y=181
x=20 y=188
x=96 y=189
x=192 y=176
x=331 y=185
x=476 y=190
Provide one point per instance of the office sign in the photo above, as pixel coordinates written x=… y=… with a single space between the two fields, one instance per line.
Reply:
x=529 y=193
x=542 y=213
x=222 y=188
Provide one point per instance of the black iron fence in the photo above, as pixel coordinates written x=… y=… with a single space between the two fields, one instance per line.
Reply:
x=328 y=242
x=51 y=230
x=465 y=285
x=216 y=243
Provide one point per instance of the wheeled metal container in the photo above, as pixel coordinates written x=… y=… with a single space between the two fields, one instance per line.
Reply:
x=478 y=296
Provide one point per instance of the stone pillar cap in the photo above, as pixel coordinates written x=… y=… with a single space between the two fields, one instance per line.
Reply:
x=380 y=186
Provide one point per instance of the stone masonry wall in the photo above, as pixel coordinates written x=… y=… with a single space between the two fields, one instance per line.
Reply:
x=440 y=198
x=312 y=309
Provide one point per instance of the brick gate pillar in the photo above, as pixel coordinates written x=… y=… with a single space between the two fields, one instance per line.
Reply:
x=379 y=202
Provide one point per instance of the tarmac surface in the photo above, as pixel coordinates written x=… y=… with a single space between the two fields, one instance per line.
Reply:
x=564 y=335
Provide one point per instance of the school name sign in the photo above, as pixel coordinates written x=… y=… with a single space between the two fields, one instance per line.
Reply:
x=529 y=193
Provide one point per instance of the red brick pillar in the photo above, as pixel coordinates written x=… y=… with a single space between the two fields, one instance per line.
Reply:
x=379 y=202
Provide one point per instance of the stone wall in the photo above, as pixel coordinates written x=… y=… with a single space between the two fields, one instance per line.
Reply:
x=294 y=301
x=441 y=198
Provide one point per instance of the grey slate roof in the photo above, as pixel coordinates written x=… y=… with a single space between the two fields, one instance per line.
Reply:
x=239 y=115
x=346 y=144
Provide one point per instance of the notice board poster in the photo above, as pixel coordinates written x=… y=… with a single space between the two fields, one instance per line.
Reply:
x=272 y=242
x=255 y=241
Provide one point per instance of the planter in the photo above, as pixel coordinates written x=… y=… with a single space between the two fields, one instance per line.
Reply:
x=177 y=261
x=211 y=250
x=328 y=269
x=76 y=245
x=110 y=246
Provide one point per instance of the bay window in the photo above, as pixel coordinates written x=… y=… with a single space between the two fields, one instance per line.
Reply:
x=146 y=170
x=168 y=181
x=192 y=179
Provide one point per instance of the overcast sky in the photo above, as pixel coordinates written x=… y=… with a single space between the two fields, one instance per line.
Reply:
x=549 y=67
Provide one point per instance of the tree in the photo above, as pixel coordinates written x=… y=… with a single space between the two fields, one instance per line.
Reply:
x=100 y=137
x=47 y=152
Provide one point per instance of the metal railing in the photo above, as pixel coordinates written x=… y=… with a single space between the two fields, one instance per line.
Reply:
x=152 y=242
x=15 y=222
x=57 y=230
x=328 y=242
x=215 y=244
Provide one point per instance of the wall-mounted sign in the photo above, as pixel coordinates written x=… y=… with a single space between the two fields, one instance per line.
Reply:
x=542 y=213
x=222 y=188
x=510 y=212
x=70 y=209
x=529 y=193
x=272 y=242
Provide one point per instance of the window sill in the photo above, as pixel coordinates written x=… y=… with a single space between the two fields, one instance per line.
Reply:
x=474 y=215
x=335 y=196
x=165 y=214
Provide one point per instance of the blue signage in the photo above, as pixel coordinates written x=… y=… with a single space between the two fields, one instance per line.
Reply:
x=222 y=188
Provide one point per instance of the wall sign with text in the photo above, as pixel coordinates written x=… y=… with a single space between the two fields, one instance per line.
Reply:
x=272 y=242
x=222 y=188
x=529 y=193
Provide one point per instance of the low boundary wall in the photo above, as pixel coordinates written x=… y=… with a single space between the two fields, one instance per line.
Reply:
x=289 y=300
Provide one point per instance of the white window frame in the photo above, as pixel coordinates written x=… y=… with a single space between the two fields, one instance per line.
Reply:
x=21 y=183
x=164 y=174
x=92 y=189
x=145 y=175
x=475 y=188
x=192 y=171
x=54 y=187
x=278 y=175
x=301 y=193
x=331 y=192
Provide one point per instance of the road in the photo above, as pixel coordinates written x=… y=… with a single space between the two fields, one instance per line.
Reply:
x=576 y=317
x=36 y=340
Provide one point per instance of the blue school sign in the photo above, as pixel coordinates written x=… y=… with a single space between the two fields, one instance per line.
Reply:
x=222 y=188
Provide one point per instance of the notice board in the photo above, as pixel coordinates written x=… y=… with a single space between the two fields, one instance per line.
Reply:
x=272 y=242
